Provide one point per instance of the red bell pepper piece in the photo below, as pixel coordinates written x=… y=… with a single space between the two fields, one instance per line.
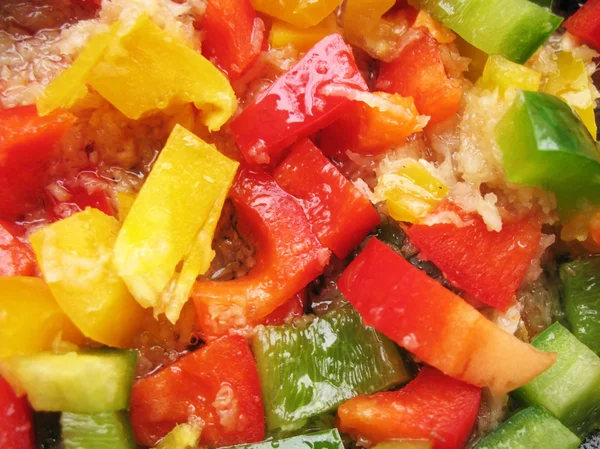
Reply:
x=16 y=258
x=27 y=143
x=233 y=35
x=440 y=328
x=419 y=72
x=85 y=190
x=585 y=23
x=290 y=309
x=340 y=215
x=289 y=256
x=487 y=265
x=218 y=384
x=16 y=420
x=295 y=105
x=433 y=407
x=372 y=128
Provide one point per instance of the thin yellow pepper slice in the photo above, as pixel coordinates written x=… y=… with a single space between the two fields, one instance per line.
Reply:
x=75 y=255
x=30 y=318
x=173 y=220
x=300 y=13
x=502 y=74
x=142 y=70
x=572 y=84
x=410 y=191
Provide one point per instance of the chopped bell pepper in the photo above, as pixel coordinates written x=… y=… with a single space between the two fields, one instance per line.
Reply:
x=340 y=215
x=172 y=219
x=102 y=430
x=433 y=406
x=30 y=318
x=183 y=436
x=410 y=191
x=27 y=143
x=299 y=13
x=124 y=203
x=478 y=58
x=293 y=307
x=532 y=427
x=419 y=72
x=545 y=145
x=502 y=74
x=16 y=419
x=289 y=256
x=569 y=390
x=16 y=258
x=488 y=265
x=405 y=444
x=301 y=39
x=437 y=326
x=141 y=71
x=340 y=359
x=295 y=105
x=581 y=298
x=439 y=32
x=74 y=255
x=373 y=124
x=325 y=439
x=572 y=84
x=514 y=29
x=362 y=22
x=585 y=23
x=217 y=384
x=233 y=35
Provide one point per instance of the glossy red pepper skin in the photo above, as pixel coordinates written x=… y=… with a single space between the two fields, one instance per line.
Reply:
x=295 y=105
x=217 y=383
x=16 y=420
x=289 y=256
x=433 y=407
x=340 y=215
x=585 y=24
x=419 y=72
x=27 y=142
x=16 y=258
x=433 y=323
x=233 y=35
x=487 y=265
x=85 y=190
x=292 y=308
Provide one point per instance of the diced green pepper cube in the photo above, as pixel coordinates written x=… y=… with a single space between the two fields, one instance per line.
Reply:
x=544 y=144
x=514 y=29
x=308 y=370
x=581 y=292
x=102 y=431
x=531 y=428
x=327 y=439
x=570 y=389
x=87 y=382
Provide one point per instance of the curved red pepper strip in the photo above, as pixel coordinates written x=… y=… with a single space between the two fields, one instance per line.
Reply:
x=340 y=215
x=16 y=420
x=432 y=407
x=585 y=24
x=295 y=104
x=289 y=256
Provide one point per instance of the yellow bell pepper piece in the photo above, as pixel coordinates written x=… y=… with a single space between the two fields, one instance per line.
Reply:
x=410 y=191
x=142 y=70
x=75 y=255
x=173 y=220
x=300 y=13
x=572 y=84
x=124 y=203
x=362 y=20
x=301 y=39
x=500 y=73
x=183 y=436
x=30 y=318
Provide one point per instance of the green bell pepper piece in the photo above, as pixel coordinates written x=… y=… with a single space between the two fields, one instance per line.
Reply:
x=309 y=370
x=544 y=144
x=581 y=293
x=570 y=389
x=110 y=430
x=327 y=439
x=514 y=29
